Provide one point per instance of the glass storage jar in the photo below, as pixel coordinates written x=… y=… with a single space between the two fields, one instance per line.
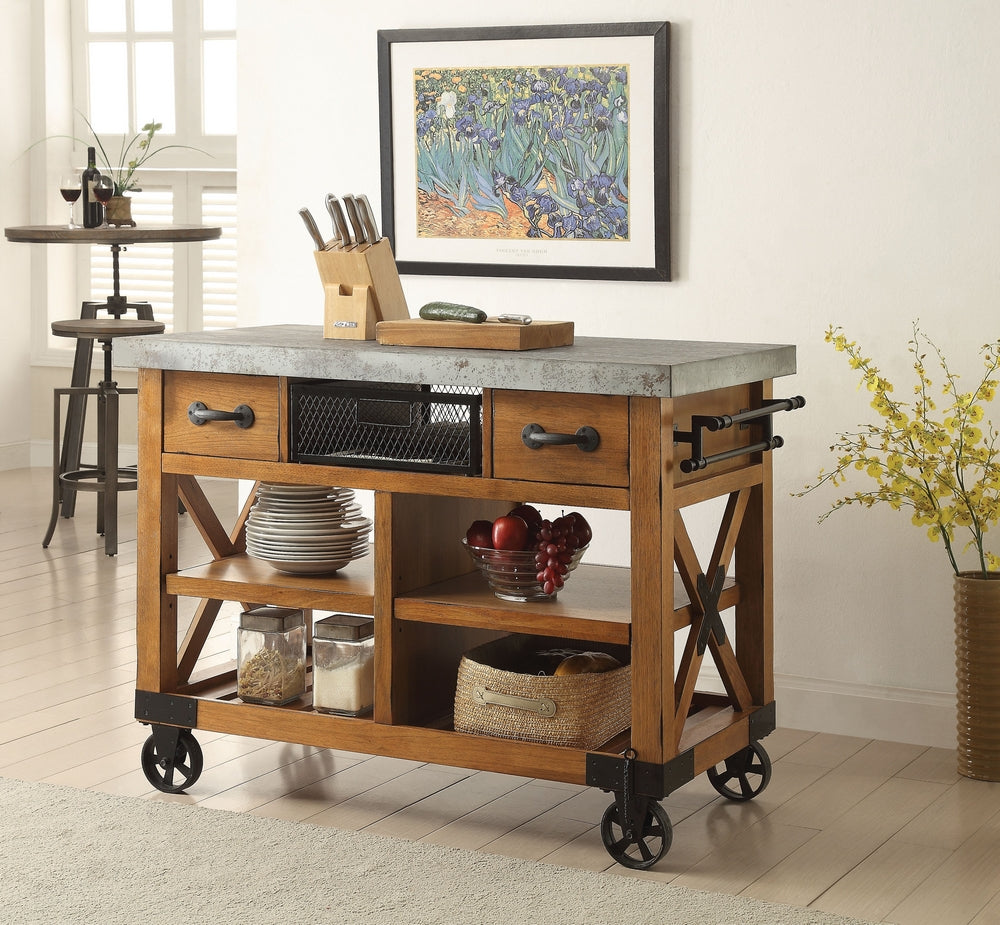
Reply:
x=344 y=664
x=271 y=655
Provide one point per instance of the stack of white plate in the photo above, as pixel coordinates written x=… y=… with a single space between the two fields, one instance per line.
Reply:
x=306 y=529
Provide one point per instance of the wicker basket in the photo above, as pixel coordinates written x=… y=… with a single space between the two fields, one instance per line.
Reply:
x=579 y=711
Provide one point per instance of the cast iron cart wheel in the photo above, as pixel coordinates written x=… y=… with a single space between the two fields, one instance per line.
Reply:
x=186 y=761
x=648 y=847
x=749 y=769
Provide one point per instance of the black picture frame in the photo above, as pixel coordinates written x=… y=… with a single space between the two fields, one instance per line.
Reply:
x=637 y=54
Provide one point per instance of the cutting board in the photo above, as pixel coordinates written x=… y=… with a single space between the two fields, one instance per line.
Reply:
x=490 y=335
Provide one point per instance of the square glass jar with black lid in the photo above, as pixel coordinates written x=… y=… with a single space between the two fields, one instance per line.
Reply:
x=271 y=655
x=344 y=664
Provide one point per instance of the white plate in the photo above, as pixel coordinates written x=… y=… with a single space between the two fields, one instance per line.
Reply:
x=307 y=568
x=273 y=488
x=291 y=507
x=306 y=516
x=328 y=532
x=305 y=497
x=293 y=557
x=307 y=552
x=345 y=528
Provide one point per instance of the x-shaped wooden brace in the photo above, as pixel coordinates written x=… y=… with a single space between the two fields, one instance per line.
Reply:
x=711 y=621
x=221 y=544
x=707 y=629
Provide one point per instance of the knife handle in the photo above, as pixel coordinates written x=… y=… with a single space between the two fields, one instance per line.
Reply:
x=360 y=234
x=312 y=228
x=368 y=218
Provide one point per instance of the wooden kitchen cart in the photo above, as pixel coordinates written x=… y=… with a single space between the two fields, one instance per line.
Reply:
x=679 y=424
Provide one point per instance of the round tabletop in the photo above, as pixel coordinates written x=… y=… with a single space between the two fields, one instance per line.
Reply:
x=140 y=234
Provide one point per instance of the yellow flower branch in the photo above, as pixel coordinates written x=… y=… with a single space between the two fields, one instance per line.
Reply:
x=946 y=469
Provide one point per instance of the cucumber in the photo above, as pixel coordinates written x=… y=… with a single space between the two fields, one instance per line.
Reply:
x=450 y=311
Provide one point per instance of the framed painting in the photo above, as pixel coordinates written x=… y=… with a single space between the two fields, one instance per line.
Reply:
x=533 y=151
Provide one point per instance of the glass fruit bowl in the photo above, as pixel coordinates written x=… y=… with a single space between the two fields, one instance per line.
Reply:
x=513 y=575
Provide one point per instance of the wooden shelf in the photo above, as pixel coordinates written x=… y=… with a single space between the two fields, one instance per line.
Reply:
x=595 y=605
x=243 y=578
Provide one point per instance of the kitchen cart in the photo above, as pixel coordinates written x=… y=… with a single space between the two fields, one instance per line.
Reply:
x=677 y=424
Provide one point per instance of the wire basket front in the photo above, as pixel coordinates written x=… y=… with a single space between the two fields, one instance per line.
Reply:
x=418 y=428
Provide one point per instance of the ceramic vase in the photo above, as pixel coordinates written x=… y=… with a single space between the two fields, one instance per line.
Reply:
x=977 y=668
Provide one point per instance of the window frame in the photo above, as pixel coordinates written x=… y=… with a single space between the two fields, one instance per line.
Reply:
x=65 y=275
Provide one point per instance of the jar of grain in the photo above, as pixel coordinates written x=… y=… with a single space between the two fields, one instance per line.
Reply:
x=271 y=655
x=344 y=664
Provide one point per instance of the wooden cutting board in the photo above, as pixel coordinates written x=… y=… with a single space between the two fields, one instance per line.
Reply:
x=490 y=335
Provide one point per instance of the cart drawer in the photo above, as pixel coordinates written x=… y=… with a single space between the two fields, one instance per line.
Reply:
x=565 y=414
x=223 y=392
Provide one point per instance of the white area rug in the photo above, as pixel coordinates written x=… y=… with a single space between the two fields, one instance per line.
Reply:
x=74 y=857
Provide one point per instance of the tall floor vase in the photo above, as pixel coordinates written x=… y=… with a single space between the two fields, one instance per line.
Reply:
x=977 y=667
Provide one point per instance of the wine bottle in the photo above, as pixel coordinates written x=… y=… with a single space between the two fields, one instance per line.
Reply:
x=93 y=211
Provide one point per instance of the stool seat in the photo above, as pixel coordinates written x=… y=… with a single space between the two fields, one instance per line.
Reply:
x=105 y=328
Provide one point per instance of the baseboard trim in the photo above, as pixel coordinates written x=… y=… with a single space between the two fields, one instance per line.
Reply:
x=41 y=454
x=867 y=711
x=16 y=456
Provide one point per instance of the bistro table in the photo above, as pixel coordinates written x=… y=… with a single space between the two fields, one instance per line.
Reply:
x=118 y=239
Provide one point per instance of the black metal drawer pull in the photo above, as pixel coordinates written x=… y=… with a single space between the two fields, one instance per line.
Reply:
x=199 y=413
x=534 y=436
x=715 y=422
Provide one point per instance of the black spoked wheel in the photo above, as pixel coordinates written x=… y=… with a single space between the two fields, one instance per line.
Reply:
x=641 y=849
x=744 y=775
x=173 y=773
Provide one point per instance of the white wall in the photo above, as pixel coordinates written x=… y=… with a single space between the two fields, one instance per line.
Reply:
x=830 y=162
x=15 y=261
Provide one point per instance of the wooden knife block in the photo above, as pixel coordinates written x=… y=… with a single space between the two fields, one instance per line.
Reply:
x=362 y=288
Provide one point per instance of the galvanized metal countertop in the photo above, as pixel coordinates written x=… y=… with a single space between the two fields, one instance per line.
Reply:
x=592 y=365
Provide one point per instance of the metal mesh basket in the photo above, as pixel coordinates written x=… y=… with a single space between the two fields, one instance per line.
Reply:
x=422 y=428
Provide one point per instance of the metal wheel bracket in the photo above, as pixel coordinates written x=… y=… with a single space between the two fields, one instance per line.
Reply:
x=166 y=738
x=653 y=780
x=152 y=707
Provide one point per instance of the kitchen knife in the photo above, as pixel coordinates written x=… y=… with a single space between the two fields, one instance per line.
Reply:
x=312 y=228
x=336 y=211
x=331 y=211
x=360 y=236
x=368 y=217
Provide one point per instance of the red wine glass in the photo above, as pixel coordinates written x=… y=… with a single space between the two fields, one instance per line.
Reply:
x=69 y=189
x=104 y=188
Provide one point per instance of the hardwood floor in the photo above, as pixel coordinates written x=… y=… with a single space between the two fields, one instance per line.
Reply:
x=877 y=830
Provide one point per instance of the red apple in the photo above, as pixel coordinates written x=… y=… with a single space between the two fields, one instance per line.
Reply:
x=581 y=528
x=480 y=534
x=510 y=532
x=528 y=513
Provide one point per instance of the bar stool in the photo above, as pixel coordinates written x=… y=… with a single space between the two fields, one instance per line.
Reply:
x=107 y=477
x=76 y=414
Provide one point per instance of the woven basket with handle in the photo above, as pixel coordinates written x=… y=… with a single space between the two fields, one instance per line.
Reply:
x=579 y=711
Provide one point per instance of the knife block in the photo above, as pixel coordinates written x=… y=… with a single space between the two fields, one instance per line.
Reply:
x=362 y=287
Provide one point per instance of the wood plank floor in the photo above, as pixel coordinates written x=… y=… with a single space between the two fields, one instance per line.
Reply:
x=878 y=830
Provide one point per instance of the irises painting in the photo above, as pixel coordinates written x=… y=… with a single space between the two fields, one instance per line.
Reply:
x=527 y=150
x=542 y=151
